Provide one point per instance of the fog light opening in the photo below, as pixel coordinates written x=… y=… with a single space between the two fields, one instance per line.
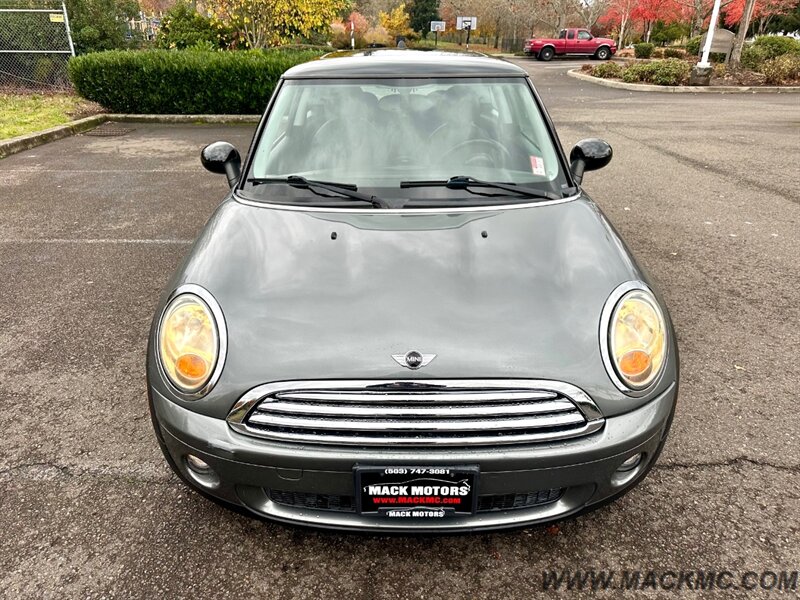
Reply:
x=200 y=471
x=631 y=463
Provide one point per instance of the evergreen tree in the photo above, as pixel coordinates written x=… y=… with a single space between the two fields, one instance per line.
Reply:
x=422 y=13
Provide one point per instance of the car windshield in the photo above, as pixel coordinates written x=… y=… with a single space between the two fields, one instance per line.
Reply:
x=406 y=138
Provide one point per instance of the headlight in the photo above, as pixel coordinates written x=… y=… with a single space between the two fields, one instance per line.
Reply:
x=637 y=339
x=188 y=342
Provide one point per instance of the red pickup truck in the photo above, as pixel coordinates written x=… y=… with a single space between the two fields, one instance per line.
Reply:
x=571 y=42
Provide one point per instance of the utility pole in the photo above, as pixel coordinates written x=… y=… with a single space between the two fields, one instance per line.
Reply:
x=701 y=73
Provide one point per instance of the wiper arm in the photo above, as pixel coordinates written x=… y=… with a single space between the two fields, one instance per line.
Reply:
x=344 y=189
x=462 y=182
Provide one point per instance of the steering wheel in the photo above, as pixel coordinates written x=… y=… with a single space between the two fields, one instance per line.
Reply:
x=491 y=150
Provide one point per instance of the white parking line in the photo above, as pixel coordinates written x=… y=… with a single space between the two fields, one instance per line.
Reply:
x=173 y=242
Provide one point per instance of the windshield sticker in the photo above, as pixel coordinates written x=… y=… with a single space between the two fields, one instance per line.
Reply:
x=537 y=165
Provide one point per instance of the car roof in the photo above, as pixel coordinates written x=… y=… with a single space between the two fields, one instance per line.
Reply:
x=403 y=63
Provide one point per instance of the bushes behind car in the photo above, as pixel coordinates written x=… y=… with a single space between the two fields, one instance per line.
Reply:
x=693 y=45
x=782 y=69
x=766 y=48
x=609 y=70
x=671 y=71
x=182 y=82
x=775 y=45
x=674 y=53
x=643 y=50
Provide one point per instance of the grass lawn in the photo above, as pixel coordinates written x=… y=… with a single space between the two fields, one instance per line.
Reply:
x=25 y=113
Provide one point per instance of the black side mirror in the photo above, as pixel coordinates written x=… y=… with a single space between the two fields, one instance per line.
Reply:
x=589 y=155
x=223 y=158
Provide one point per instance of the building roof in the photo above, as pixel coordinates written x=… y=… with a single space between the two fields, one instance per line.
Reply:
x=403 y=63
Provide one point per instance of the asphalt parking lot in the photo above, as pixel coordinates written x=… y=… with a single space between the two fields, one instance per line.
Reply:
x=704 y=189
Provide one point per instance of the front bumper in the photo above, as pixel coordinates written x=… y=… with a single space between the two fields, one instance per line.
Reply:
x=247 y=468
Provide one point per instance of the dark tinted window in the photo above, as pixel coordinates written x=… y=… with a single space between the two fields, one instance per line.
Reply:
x=571 y=35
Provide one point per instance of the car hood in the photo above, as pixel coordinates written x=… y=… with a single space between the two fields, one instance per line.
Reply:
x=513 y=293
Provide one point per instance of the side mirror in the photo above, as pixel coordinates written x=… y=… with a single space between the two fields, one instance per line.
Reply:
x=589 y=155
x=223 y=158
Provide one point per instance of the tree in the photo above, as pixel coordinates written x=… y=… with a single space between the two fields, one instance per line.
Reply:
x=183 y=27
x=651 y=11
x=157 y=7
x=620 y=13
x=789 y=21
x=100 y=24
x=762 y=10
x=744 y=25
x=262 y=23
x=558 y=12
x=422 y=13
x=396 y=22
x=591 y=11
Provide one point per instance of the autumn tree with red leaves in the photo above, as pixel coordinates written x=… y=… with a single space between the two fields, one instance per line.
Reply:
x=763 y=11
x=650 y=11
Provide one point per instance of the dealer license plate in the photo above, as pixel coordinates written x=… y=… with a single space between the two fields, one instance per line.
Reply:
x=416 y=492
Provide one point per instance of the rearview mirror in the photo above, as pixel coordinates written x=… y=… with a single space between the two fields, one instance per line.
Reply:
x=589 y=155
x=223 y=158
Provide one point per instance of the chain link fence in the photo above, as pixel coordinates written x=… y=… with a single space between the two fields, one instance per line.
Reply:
x=35 y=45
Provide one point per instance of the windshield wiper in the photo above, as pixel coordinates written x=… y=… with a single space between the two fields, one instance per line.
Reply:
x=462 y=182
x=344 y=189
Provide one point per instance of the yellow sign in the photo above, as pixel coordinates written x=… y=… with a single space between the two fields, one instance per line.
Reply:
x=56 y=17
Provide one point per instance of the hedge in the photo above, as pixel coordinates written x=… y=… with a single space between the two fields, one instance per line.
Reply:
x=775 y=45
x=608 y=70
x=671 y=71
x=643 y=50
x=182 y=81
x=782 y=69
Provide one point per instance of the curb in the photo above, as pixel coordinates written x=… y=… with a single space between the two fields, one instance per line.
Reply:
x=685 y=89
x=31 y=140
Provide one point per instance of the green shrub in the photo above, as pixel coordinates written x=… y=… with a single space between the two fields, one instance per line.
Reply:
x=657 y=53
x=753 y=57
x=634 y=73
x=671 y=71
x=183 y=27
x=182 y=82
x=98 y=25
x=782 y=69
x=693 y=45
x=664 y=34
x=643 y=50
x=776 y=45
x=608 y=70
x=674 y=53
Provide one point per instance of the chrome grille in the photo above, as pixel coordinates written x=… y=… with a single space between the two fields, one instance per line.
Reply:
x=416 y=413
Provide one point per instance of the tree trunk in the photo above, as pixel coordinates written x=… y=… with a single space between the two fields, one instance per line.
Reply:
x=622 y=24
x=699 y=18
x=741 y=35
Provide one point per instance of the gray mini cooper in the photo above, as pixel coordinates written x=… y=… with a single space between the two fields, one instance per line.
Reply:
x=406 y=315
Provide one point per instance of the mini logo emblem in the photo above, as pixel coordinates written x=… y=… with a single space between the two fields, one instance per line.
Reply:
x=413 y=359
